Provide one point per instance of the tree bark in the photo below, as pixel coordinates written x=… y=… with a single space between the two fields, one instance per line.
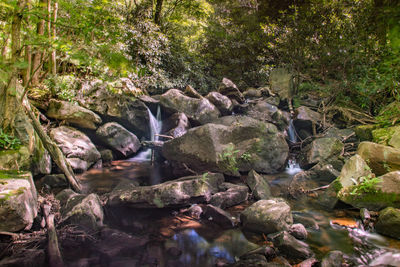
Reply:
x=37 y=56
x=28 y=53
x=53 y=250
x=157 y=14
x=53 y=37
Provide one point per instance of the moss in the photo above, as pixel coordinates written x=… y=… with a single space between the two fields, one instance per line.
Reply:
x=336 y=185
x=371 y=200
x=16 y=192
x=158 y=202
x=364 y=132
x=383 y=135
x=12 y=174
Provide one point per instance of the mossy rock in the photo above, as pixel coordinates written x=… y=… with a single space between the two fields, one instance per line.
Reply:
x=389 y=222
x=381 y=159
x=384 y=136
x=364 y=132
x=15 y=159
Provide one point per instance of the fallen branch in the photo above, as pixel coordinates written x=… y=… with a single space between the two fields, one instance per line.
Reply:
x=318 y=188
x=53 y=251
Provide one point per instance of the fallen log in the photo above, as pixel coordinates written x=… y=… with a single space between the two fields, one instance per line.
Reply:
x=53 y=251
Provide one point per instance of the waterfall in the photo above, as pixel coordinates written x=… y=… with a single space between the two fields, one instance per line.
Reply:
x=155 y=125
x=292 y=132
x=293 y=167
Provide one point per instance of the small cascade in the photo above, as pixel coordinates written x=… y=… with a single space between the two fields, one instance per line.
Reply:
x=292 y=132
x=155 y=129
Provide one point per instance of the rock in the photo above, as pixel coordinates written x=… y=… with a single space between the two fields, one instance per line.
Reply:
x=252 y=93
x=320 y=150
x=374 y=193
x=41 y=160
x=381 y=159
x=353 y=169
x=267 y=216
x=229 y=145
x=231 y=195
x=253 y=260
x=228 y=88
x=180 y=192
x=73 y=114
x=18 y=200
x=76 y=146
x=54 y=181
x=131 y=113
x=305 y=220
x=195 y=211
x=191 y=92
x=25 y=258
x=306 y=121
x=364 y=132
x=118 y=138
x=223 y=103
x=298 y=231
x=333 y=259
x=329 y=198
x=219 y=216
x=389 y=222
x=262 y=111
x=85 y=211
x=395 y=140
x=345 y=135
x=106 y=155
x=389 y=258
x=176 y=125
x=15 y=159
x=292 y=248
x=308 y=262
x=258 y=185
x=200 y=111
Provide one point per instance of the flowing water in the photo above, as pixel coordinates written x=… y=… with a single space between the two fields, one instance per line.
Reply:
x=177 y=240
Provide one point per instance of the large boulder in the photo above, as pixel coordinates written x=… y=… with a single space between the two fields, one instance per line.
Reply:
x=259 y=186
x=306 y=121
x=73 y=114
x=76 y=146
x=176 y=125
x=118 y=138
x=200 y=111
x=380 y=158
x=228 y=88
x=180 y=192
x=82 y=210
x=292 y=248
x=373 y=193
x=389 y=222
x=267 y=216
x=262 y=110
x=229 y=195
x=104 y=99
x=324 y=150
x=18 y=200
x=229 y=145
x=223 y=103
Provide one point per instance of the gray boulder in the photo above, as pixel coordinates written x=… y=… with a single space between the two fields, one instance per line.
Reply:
x=73 y=114
x=323 y=150
x=86 y=211
x=230 y=195
x=176 y=125
x=18 y=200
x=118 y=138
x=223 y=103
x=306 y=121
x=228 y=88
x=267 y=216
x=219 y=216
x=180 y=192
x=333 y=259
x=258 y=186
x=292 y=248
x=230 y=144
x=76 y=146
x=298 y=231
x=200 y=111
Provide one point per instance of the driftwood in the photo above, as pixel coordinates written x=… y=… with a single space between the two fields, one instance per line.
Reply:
x=153 y=144
x=53 y=251
x=53 y=149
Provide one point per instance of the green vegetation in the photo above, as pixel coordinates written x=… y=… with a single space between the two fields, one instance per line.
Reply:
x=8 y=142
x=365 y=184
x=228 y=157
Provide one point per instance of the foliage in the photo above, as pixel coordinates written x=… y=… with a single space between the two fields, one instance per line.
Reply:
x=365 y=184
x=62 y=87
x=389 y=115
x=229 y=158
x=8 y=142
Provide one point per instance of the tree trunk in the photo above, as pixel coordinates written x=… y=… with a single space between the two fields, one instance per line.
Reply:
x=157 y=14
x=37 y=57
x=9 y=105
x=53 y=33
x=28 y=53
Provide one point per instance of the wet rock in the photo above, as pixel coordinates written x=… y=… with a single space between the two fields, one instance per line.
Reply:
x=199 y=110
x=18 y=200
x=267 y=216
x=258 y=185
x=223 y=103
x=195 y=211
x=180 y=192
x=306 y=121
x=381 y=192
x=308 y=263
x=298 y=231
x=382 y=159
x=54 y=181
x=230 y=195
x=230 y=144
x=131 y=113
x=292 y=248
x=320 y=150
x=389 y=222
x=118 y=138
x=386 y=259
x=219 y=216
x=85 y=211
x=106 y=155
x=333 y=259
x=252 y=260
x=305 y=220
x=267 y=251
x=76 y=146
x=228 y=88
x=25 y=258
x=176 y=125
x=73 y=114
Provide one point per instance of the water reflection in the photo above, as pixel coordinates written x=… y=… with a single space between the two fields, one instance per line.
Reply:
x=197 y=251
